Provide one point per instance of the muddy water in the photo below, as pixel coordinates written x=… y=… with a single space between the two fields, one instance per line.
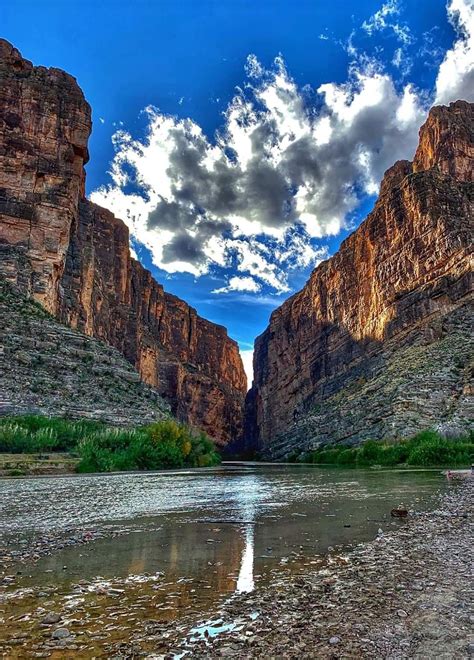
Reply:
x=179 y=543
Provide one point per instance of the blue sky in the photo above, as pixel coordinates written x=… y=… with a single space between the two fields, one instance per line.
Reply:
x=311 y=102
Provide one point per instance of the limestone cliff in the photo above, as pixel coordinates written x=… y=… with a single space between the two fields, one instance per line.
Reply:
x=73 y=256
x=378 y=344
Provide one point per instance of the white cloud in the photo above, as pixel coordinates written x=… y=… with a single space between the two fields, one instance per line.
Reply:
x=247 y=359
x=401 y=60
x=288 y=166
x=240 y=284
x=383 y=19
x=455 y=78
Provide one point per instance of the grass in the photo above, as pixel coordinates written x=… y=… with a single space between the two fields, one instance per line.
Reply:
x=14 y=465
x=425 y=449
x=100 y=448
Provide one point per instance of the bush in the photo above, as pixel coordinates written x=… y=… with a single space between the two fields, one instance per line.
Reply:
x=36 y=432
x=369 y=453
x=427 y=448
x=164 y=444
x=14 y=439
x=346 y=457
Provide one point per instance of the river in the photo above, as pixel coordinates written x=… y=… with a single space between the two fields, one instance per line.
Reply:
x=189 y=539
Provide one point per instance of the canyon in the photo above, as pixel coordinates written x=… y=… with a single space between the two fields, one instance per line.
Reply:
x=378 y=344
x=73 y=257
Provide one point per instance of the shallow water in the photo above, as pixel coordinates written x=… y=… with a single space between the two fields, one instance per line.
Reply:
x=178 y=544
x=236 y=519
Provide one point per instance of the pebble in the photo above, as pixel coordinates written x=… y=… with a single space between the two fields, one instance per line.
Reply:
x=50 y=618
x=60 y=633
x=353 y=594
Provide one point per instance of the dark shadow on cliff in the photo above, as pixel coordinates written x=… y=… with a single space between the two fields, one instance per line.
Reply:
x=422 y=318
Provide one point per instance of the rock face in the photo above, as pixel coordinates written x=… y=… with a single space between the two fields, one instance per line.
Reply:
x=50 y=369
x=378 y=344
x=191 y=362
x=73 y=256
x=45 y=123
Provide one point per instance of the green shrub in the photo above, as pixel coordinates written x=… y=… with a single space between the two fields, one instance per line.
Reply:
x=45 y=439
x=427 y=448
x=164 y=444
x=369 y=453
x=346 y=457
x=94 y=458
x=67 y=433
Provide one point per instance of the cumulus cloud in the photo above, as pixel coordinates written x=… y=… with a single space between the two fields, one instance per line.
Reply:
x=240 y=284
x=287 y=167
x=455 y=78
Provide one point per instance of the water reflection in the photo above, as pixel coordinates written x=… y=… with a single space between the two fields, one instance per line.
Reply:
x=247 y=500
x=219 y=530
x=178 y=544
x=245 y=581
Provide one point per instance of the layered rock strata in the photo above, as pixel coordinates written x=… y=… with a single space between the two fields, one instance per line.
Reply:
x=73 y=256
x=378 y=344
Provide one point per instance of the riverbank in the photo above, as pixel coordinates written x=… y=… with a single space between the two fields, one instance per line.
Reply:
x=98 y=447
x=408 y=593
x=21 y=465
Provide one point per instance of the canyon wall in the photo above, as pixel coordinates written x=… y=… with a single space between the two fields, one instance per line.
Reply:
x=73 y=256
x=378 y=344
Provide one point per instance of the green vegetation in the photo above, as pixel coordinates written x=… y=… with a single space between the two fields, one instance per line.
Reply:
x=100 y=448
x=427 y=448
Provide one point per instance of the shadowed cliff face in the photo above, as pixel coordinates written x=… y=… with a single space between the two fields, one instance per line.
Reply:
x=380 y=311
x=74 y=257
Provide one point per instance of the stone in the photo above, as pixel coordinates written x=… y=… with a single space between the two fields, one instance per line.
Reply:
x=61 y=633
x=402 y=614
x=73 y=257
x=191 y=362
x=377 y=344
x=57 y=382
x=399 y=513
x=359 y=627
x=334 y=640
x=50 y=618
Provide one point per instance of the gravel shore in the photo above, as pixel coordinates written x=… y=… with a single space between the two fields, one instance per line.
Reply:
x=407 y=594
